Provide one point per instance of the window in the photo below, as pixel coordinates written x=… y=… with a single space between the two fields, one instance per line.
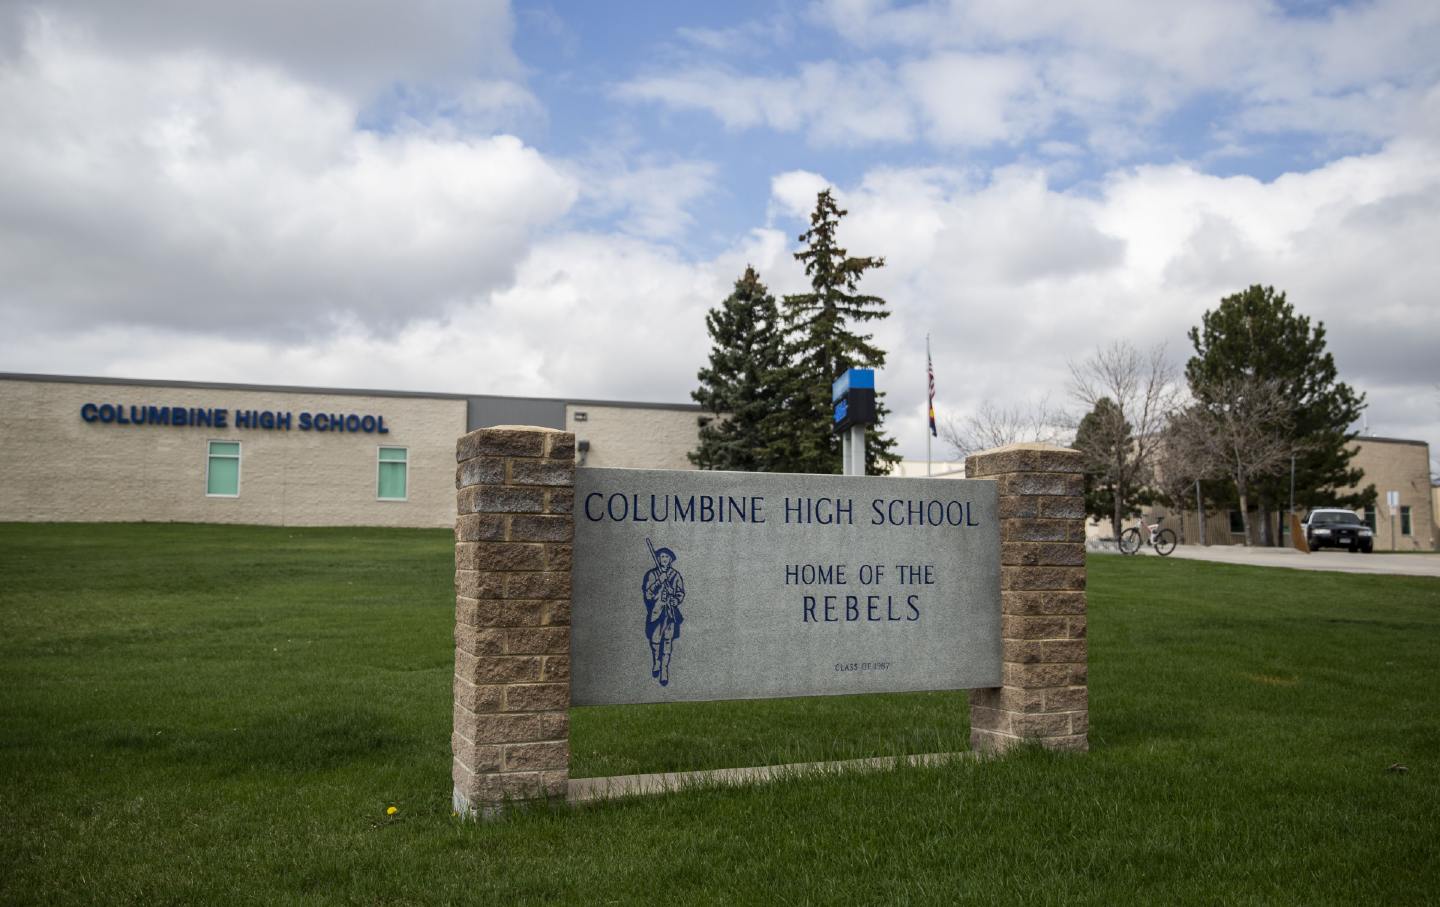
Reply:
x=1405 y=520
x=1237 y=523
x=222 y=471
x=393 y=468
x=1370 y=516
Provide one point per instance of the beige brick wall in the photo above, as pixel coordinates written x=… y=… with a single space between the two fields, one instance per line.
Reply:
x=513 y=552
x=56 y=466
x=1044 y=693
x=636 y=438
x=1403 y=467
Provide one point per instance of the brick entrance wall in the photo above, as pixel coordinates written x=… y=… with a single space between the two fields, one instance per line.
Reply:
x=515 y=496
x=1044 y=696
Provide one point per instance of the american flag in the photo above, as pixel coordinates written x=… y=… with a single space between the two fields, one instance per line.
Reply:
x=930 y=371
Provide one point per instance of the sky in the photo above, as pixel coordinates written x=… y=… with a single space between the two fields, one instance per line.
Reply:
x=544 y=199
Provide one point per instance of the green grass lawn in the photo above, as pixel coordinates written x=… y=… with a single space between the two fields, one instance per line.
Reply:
x=194 y=714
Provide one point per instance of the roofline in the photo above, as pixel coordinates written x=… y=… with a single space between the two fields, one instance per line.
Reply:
x=1361 y=439
x=340 y=391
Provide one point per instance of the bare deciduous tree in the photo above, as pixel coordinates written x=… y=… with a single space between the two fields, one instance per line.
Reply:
x=1184 y=457
x=996 y=426
x=1120 y=437
x=1245 y=431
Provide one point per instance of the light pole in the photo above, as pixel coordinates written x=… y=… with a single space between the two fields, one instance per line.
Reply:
x=1200 y=512
x=1292 y=497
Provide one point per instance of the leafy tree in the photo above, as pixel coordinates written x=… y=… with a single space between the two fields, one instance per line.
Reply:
x=741 y=385
x=823 y=344
x=1257 y=335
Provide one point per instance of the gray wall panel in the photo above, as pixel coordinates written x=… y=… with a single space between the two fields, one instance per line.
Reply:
x=483 y=412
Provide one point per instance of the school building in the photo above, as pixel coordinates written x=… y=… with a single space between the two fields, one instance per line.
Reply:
x=1394 y=465
x=106 y=449
x=78 y=449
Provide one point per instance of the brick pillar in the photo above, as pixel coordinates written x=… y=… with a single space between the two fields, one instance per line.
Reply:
x=1044 y=696
x=513 y=532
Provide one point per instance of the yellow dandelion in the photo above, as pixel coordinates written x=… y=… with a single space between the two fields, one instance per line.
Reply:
x=391 y=811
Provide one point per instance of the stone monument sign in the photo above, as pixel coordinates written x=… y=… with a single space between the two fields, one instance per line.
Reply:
x=725 y=585
x=626 y=586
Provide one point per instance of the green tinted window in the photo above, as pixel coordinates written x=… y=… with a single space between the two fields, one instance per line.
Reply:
x=390 y=484
x=1405 y=521
x=222 y=477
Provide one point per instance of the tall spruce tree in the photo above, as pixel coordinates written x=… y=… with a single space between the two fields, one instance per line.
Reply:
x=1256 y=335
x=741 y=386
x=823 y=345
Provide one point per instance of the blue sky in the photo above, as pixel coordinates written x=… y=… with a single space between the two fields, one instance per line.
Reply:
x=544 y=198
x=583 y=61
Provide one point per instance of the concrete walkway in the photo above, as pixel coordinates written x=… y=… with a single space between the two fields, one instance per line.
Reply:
x=1339 y=561
x=586 y=789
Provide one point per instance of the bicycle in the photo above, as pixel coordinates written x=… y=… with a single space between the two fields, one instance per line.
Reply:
x=1162 y=540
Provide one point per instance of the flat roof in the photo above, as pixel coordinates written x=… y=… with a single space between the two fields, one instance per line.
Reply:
x=348 y=391
x=1362 y=439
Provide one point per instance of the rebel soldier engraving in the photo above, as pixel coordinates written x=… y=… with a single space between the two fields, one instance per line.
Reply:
x=664 y=590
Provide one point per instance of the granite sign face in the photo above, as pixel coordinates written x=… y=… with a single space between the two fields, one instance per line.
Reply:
x=724 y=585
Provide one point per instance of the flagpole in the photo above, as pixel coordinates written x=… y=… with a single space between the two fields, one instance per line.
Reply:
x=929 y=403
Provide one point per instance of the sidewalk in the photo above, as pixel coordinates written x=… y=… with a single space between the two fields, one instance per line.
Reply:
x=1425 y=564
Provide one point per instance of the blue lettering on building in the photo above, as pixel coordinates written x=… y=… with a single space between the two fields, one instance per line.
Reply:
x=220 y=417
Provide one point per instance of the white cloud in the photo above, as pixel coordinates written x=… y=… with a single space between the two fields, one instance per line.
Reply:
x=168 y=209
x=978 y=99
x=651 y=199
x=1014 y=278
x=474 y=107
x=752 y=38
x=792 y=194
x=833 y=104
x=739 y=101
x=356 y=49
x=588 y=315
x=1000 y=71
x=190 y=190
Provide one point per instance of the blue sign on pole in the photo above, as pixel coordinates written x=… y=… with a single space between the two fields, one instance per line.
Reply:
x=853 y=378
x=853 y=394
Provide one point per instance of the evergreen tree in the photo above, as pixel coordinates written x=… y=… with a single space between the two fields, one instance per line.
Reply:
x=823 y=345
x=1256 y=335
x=1115 y=481
x=741 y=385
